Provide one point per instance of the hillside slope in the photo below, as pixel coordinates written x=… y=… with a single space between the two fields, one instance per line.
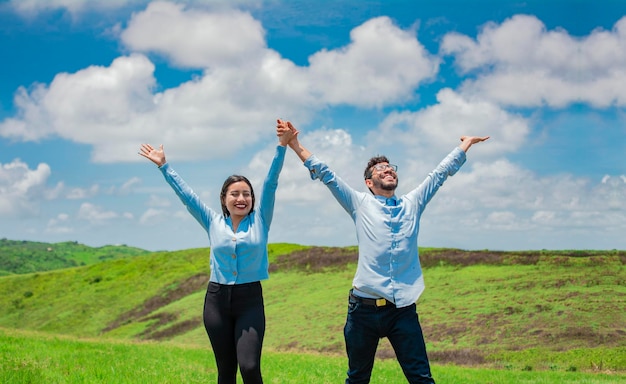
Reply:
x=479 y=308
x=20 y=256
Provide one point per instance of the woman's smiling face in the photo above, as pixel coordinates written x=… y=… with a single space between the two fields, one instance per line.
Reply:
x=238 y=199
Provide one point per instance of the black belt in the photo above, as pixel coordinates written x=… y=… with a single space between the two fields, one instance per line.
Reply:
x=374 y=302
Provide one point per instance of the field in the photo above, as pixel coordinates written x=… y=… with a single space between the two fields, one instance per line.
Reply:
x=28 y=357
x=489 y=317
x=29 y=256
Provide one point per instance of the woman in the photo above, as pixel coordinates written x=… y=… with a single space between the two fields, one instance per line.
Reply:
x=234 y=315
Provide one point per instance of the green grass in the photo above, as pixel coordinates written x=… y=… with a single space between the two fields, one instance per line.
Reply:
x=28 y=357
x=82 y=301
x=29 y=256
x=559 y=313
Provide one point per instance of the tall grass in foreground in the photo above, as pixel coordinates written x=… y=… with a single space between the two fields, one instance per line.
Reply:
x=27 y=357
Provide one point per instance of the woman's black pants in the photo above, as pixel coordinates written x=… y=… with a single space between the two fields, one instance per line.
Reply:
x=234 y=319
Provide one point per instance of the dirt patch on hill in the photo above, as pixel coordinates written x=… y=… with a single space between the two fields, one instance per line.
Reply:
x=463 y=258
x=315 y=259
x=321 y=259
x=174 y=292
x=587 y=336
x=152 y=332
x=465 y=357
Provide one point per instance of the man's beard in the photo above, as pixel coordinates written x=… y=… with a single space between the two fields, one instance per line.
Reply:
x=390 y=186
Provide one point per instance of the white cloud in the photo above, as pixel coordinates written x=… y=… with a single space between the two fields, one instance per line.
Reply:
x=195 y=38
x=521 y=63
x=612 y=192
x=55 y=192
x=72 y=6
x=157 y=201
x=129 y=184
x=541 y=203
x=127 y=187
x=231 y=106
x=429 y=134
x=95 y=214
x=59 y=225
x=21 y=189
x=153 y=217
x=90 y=106
x=82 y=193
x=382 y=64
x=502 y=220
x=76 y=7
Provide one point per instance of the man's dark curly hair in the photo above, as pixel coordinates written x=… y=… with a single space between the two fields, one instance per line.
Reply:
x=373 y=161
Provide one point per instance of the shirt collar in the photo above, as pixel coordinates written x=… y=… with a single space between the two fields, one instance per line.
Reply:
x=392 y=201
x=229 y=220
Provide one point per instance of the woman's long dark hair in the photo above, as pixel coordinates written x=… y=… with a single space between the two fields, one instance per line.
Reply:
x=230 y=180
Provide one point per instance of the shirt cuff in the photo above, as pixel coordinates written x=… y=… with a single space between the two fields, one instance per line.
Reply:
x=313 y=164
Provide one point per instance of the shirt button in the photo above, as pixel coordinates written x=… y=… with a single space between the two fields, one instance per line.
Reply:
x=235 y=273
x=233 y=256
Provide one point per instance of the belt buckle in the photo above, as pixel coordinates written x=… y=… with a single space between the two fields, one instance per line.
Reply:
x=381 y=302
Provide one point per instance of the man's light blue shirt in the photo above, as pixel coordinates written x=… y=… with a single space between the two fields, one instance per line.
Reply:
x=387 y=230
x=236 y=257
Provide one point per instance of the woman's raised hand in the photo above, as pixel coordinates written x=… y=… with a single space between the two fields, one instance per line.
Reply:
x=157 y=156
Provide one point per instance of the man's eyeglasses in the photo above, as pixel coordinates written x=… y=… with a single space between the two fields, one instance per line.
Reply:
x=381 y=168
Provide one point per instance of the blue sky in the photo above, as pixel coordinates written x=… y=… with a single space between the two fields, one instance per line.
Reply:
x=84 y=83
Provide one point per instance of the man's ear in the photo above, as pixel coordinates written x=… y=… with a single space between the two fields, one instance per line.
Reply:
x=369 y=183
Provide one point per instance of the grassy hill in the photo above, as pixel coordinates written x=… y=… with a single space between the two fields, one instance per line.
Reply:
x=544 y=310
x=33 y=357
x=29 y=256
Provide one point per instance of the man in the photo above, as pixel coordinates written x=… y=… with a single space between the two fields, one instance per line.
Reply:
x=388 y=279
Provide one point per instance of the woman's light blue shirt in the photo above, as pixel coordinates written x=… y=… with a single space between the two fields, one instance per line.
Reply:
x=235 y=257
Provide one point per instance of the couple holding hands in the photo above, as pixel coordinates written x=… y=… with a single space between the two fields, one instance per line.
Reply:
x=387 y=283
